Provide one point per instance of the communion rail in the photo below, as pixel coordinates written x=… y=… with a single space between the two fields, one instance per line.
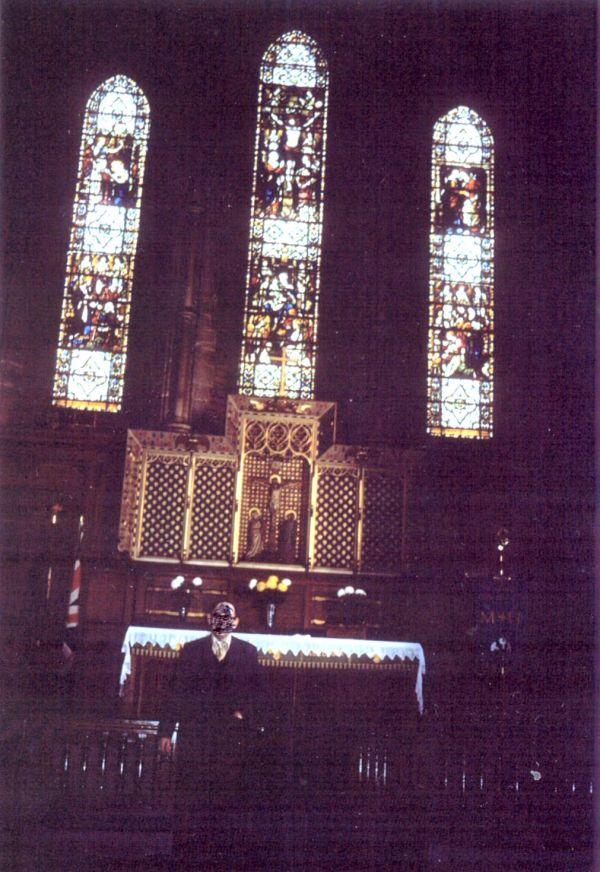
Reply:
x=115 y=762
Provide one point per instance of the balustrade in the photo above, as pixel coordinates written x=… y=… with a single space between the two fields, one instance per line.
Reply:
x=90 y=762
x=115 y=762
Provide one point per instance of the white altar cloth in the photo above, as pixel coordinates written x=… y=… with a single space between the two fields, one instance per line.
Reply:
x=316 y=646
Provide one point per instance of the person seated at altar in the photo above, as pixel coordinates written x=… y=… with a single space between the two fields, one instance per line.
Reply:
x=217 y=698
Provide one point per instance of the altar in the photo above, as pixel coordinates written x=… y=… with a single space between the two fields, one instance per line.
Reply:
x=299 y=651
x=341 y=712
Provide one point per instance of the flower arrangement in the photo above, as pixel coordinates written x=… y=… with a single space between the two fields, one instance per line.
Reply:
x=351 y=591
x=272 y=590
x=272 y=583
x=351 y=607
x=183 y=589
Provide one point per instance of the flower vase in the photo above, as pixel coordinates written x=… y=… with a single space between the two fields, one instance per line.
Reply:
x=184 y=603
x=271 y=615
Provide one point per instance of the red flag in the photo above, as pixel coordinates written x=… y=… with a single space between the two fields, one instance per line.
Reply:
x=73 y=612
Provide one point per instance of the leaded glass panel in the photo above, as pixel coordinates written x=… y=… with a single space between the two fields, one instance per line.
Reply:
x=460 y=385
x=282 y=292
x=92 y=348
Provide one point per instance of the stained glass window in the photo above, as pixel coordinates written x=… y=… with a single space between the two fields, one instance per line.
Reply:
x=461 y=277
x=282 y=292
x=92 y=345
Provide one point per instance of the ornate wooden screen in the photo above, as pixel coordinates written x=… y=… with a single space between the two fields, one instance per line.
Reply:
x=290 y=478
x=383 y=514
x=360 y=497
x=178 y=499
x=265 y=493
x=213 y=495
x=337 y=517
x=278 y=442
x=163 y=505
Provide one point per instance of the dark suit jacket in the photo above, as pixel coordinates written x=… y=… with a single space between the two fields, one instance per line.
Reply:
x=204 y=695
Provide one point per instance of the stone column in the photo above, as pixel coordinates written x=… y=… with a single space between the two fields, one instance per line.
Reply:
x=183 y=348
x=205 y=349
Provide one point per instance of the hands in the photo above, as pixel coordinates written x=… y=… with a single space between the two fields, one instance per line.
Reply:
x=258 y=728
x=165 y=746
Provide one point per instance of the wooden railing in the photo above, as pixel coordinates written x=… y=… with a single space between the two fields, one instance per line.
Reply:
x=75 y=785
x=99 y=762
x=115 y=763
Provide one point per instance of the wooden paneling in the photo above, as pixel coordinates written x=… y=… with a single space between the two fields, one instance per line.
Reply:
x=108 y=594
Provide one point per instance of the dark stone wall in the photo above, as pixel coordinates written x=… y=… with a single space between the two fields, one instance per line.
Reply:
x=527 y=68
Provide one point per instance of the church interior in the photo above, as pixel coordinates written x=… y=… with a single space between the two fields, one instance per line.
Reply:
x=240 y=363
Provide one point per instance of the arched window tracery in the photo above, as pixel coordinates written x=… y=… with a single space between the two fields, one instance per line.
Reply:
x=461 y=278
x=92 y=347
x=282 y=290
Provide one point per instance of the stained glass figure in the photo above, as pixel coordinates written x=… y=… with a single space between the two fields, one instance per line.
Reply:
x=92 y=345
x=282 y=292
x=461 y=276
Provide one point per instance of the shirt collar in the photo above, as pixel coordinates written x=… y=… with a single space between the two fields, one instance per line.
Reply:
x=220 y=647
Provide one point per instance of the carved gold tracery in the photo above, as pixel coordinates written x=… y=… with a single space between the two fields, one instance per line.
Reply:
x=192 y=497
x=280 y=438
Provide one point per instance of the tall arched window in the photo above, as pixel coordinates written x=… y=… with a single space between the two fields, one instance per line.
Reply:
x=282 y=291
x=461 y=277
x=92 y=347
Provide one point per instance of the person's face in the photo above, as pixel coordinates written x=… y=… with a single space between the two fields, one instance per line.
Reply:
x=223 y=621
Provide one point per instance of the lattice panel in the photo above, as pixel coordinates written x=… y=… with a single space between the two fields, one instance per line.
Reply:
x=164 y=501
x=337 y=517
x=274 y=488
x=382 y=524
x=212 y=511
